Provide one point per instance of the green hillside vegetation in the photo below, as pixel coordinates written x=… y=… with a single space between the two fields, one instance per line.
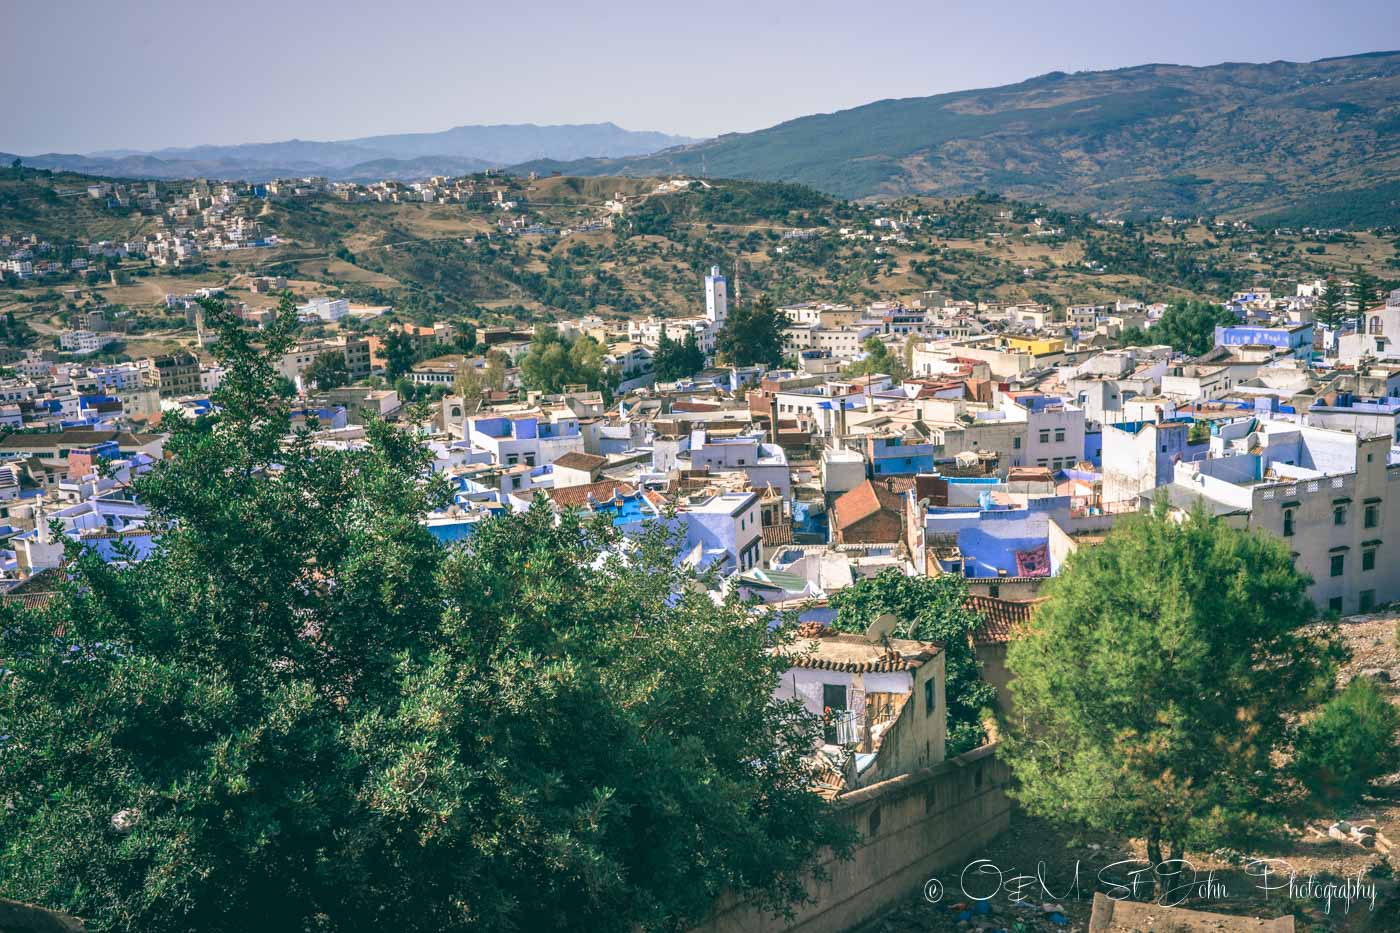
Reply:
x=570 y=256
x=1377 y=206
x=1240 y=139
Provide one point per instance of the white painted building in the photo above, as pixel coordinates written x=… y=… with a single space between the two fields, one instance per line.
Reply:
x=1380 y=335
x=325 y=309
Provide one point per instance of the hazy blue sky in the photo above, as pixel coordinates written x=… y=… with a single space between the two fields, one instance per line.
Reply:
x=82 y=76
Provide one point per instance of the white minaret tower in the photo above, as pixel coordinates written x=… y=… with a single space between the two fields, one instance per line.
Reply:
x=716 y=297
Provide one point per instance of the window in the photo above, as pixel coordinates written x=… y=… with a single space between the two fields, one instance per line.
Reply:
x=1371 y=518
x=1059 y=434
x=1016 y=442
x=834 y=702
x=1368 y=558
x=1367 y=602
x=1045 y=436
x=1339 y=515
x=1339 y=562
x=1335 y=605
x=515 y=482
x=928 y=697
x=873 y=823
x=1288 y=523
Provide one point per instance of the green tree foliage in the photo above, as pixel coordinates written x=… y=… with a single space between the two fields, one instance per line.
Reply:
x=752 y=334
x=677 y=359
x=554 y=361
x=878 y=359
x=398 y=355
x=303 y=714
x=1354 y=739
x=465 y=341
x=472 y=382
x=1331 y=308
x=469 y=382
x=1159 y=680
x=1365 y=291
x=1186 y=326
x=328 y=371
x=928 y=609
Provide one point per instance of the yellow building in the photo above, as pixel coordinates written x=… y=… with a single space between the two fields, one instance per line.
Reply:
x=1036 y=346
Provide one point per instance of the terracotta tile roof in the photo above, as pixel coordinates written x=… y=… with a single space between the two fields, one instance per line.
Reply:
x=36 y=591
x=576 y=460
x=898 y=485
x=855 y=654
x=864 y=501
x=579 y=496
x=28 y=600
x=1002 y=618
x=774 y=535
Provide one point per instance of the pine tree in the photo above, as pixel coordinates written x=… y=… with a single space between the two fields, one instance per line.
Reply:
x=1331 y=309
x=753 y=333
x=1154 y=702
x=1365 y=292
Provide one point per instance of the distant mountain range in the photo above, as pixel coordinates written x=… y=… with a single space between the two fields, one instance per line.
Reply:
x=457 y=151
x=1252 y=138
x=1302 y=142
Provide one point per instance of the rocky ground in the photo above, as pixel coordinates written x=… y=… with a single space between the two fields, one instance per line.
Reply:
x=1225 y=881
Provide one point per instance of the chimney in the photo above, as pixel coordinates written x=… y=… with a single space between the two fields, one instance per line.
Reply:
x=773 y=417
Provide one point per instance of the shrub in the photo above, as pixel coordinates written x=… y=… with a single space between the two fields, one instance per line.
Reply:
x=1351 y=742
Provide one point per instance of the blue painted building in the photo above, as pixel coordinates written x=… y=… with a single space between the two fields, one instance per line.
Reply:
x=1294 y=340
x=898 y=456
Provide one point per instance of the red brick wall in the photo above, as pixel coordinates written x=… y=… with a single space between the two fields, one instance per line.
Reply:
x=880 y=528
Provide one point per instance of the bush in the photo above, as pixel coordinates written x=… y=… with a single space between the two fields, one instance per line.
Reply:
x=1351 y=742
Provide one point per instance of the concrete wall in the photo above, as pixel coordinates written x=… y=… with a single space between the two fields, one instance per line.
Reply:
x=918 y=739
x=910 y=827
x=995 y=672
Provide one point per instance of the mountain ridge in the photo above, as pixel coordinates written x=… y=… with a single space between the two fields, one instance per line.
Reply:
x=457 y=150
x=1236 y=137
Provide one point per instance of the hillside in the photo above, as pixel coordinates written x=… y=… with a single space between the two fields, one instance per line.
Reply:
x=561 y=253
x=1241 y=139
x=457 y=151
